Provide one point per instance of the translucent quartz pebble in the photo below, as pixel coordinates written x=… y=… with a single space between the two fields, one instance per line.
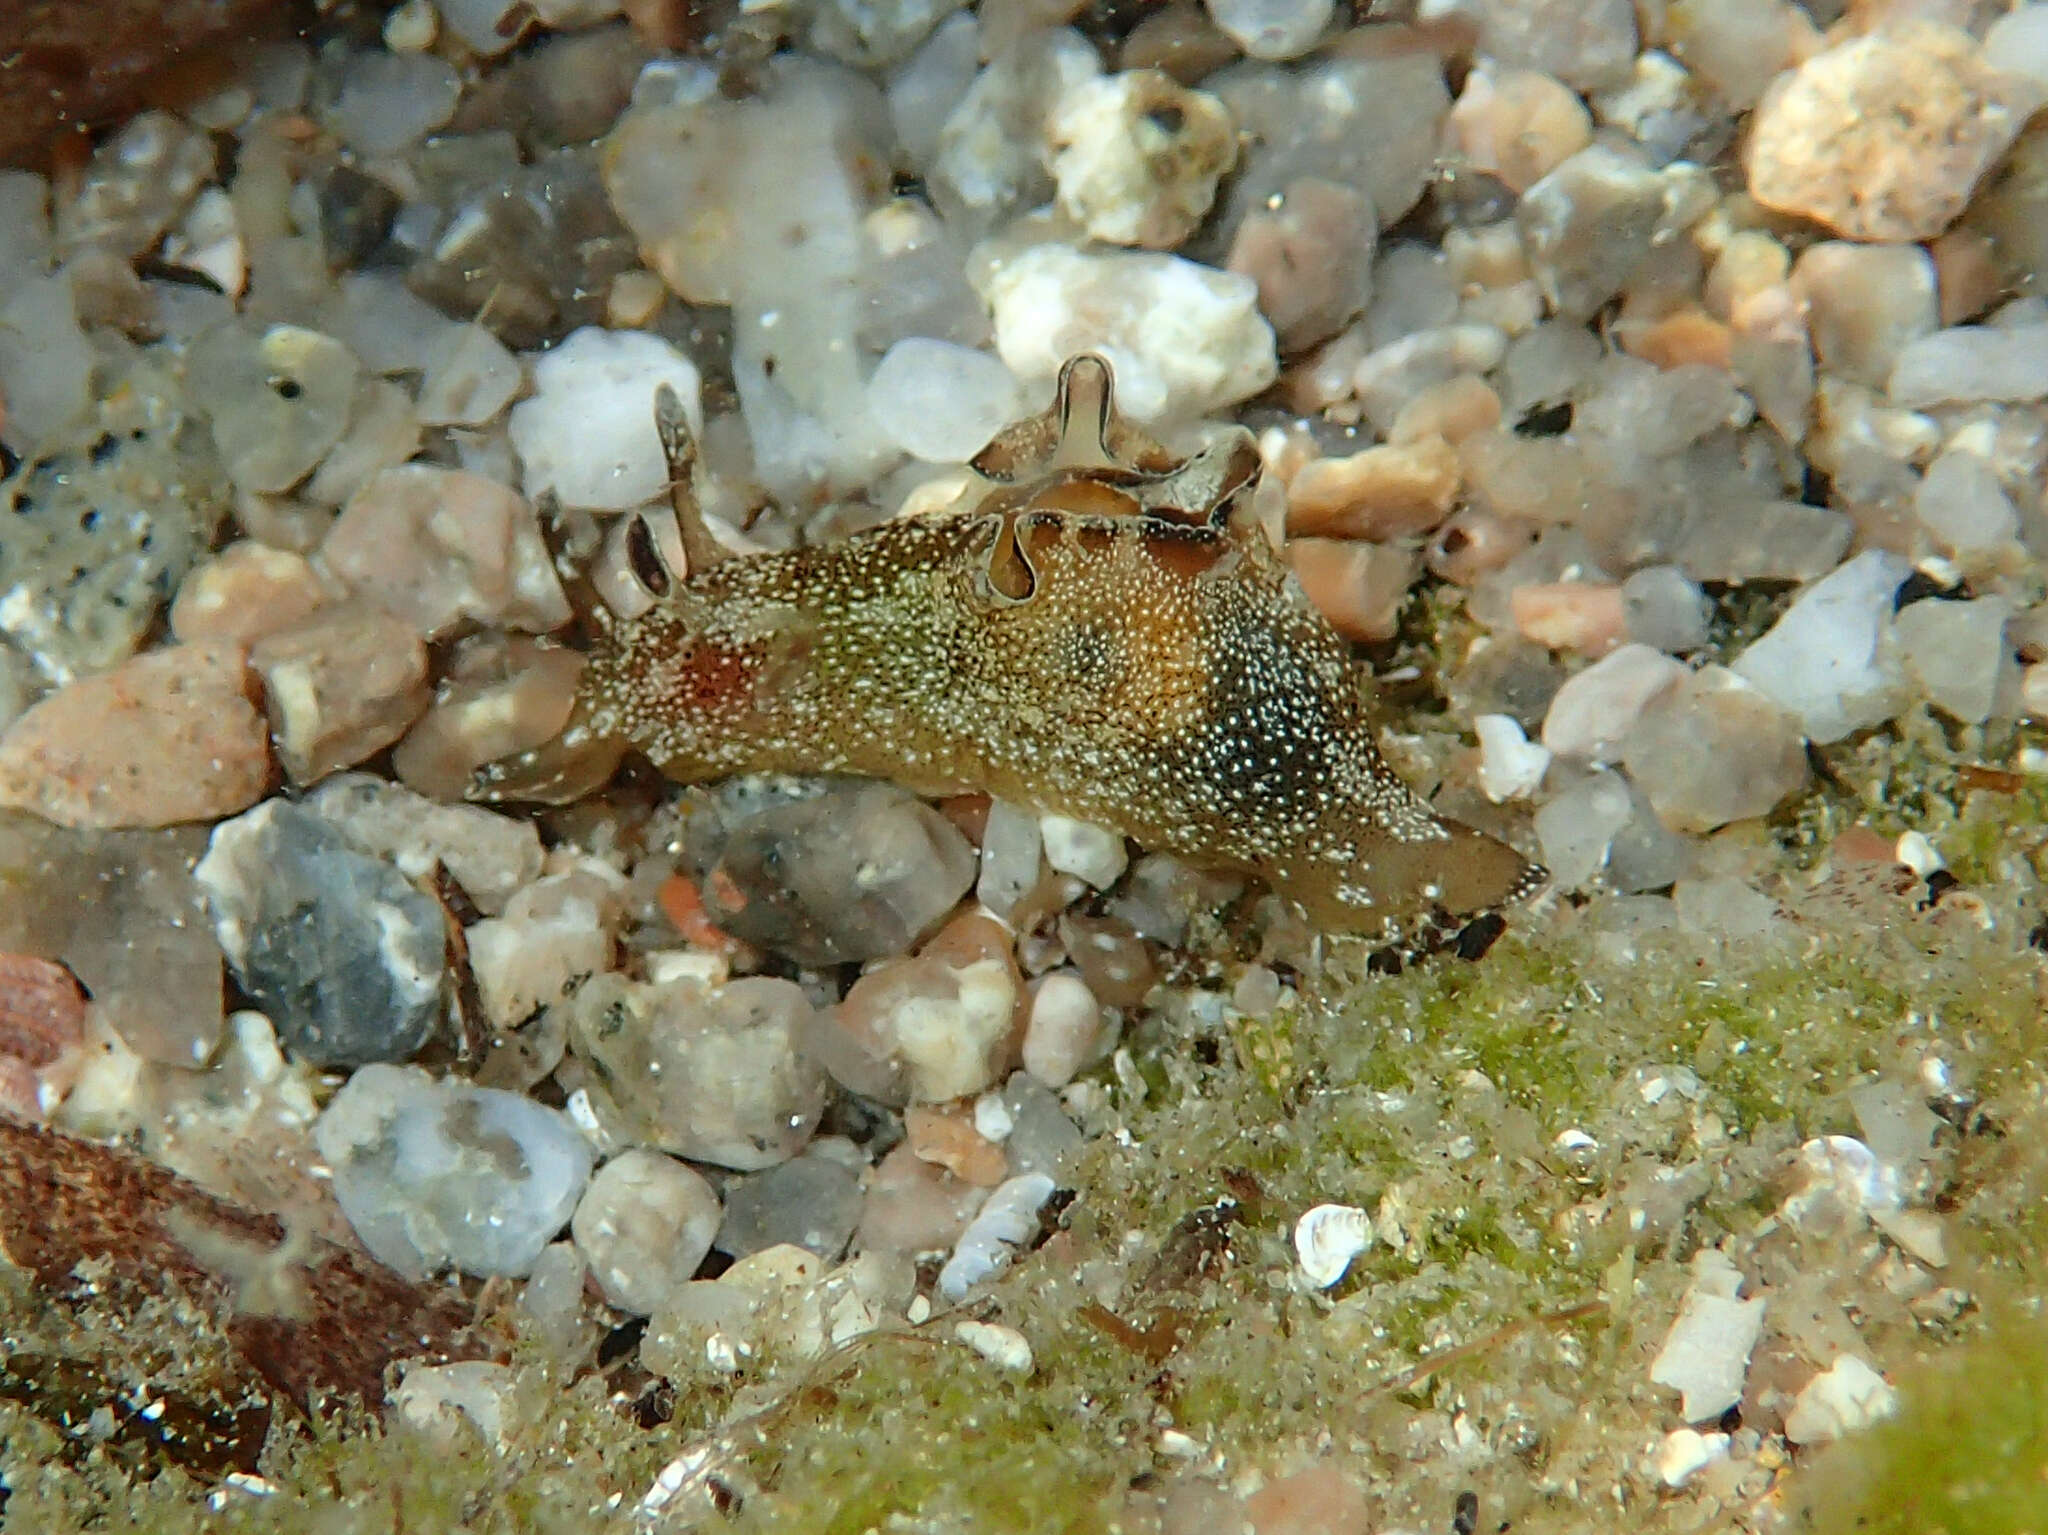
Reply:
x=433 y=1174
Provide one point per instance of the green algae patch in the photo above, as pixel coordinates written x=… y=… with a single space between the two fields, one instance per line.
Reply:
x=1964 y=1456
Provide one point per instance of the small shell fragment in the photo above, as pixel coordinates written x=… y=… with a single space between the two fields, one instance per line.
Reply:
x=999 y=1345
x=1327 y=1238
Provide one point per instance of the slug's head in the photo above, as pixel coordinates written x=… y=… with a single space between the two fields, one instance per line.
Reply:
x=1082 y=455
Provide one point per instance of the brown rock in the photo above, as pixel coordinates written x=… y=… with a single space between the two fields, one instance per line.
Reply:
x=1518 y=125
x=948 y=1139
x=1452 y=410
x=914 y=1206
x=1311 y=257
x=169 y=736
x=1474 y=543
x=1384 y=492
x=1586 y=616
x=1684 y=336
x=339 y=685
x=1884 y=137
x=246 y=591
x=1358 y=587
x=42 y=1023
x=437 y=546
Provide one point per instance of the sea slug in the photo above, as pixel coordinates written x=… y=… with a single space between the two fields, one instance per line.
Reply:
x=1089 y=631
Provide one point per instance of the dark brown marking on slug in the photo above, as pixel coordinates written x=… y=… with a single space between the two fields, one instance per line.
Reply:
x=1091 y=634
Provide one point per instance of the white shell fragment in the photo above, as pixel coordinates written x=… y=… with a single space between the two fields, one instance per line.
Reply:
x=1002 y=1346
x=1005 y=1223
x=1327 y=1238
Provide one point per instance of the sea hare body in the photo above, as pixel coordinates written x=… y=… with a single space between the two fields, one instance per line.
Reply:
x=1091 y=635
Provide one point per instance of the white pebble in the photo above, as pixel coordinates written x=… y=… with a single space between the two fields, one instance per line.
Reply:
x=1959 y=654
x=644 y=1225
x=1064 y=1030
x=1327 y=1238
x=941 y=402
x=1272 y=29
x=588 y=432
x=1705 y=1356
x=1576 y=830
x=1918 y=854
x=1822 y=659
x=1009 y=857
x=1685 y=1453
x=1594 y=710
x=1087 y=851
x=1511 y=766
x=999 y=1345
x=2018 y=43
x=1184 y=339
x=1972 y=362
x=1849 y=1397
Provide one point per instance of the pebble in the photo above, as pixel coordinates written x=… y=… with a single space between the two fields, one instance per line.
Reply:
x=988 y=161
x=470 y=377
x=1272 y=29
x=643 y=1226
x=166 y=737
x=1964 y=508
x=1359 y=587
x=500 y=696
x=587 y=433
x=279 y=401
x=339 y=685
x=1137 y=156
x=435 y=1174
x=1065 y=1028
x=244 y=592
x=1865 y=304
x=1112 y=959
x=869 y=35
x=1959 y=655
x=948 y=1137
x=1311 y=256
x=1972 y=362
x=1184 y=339
x=554 y=934
x=1822 y=659
x=2017 y=42
x=860 y=871
x=1664 y=608
x=441 y=546
x=1387 y=491
x=120 y=910
x=939 y=1026
x=339 y=951
x=992 y=1238
x=489 y=855
x=1511 y=766
x=1584 y=616
x=1459 y=407
x=1011 y=851
x=716 y=1074
x=45 y=359
x=914 y=1207
x=1713 y=749
x=1589 y=224
x=1518 y=125
x=1320 y=1499
x=1594 y=711
x=1883 y=137
x=42 y=1033
x=939 y=401
x=1726 y=908
x=1741 y=540
x=1846 y=1398
x=1705 y=1356
x=814 y=1201
x=1685 y=1453
x=384 y=102
x=1577 y=827
x=1090 y=853
x=552 y=1299
x=446 y=1403
x=1584 y=45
